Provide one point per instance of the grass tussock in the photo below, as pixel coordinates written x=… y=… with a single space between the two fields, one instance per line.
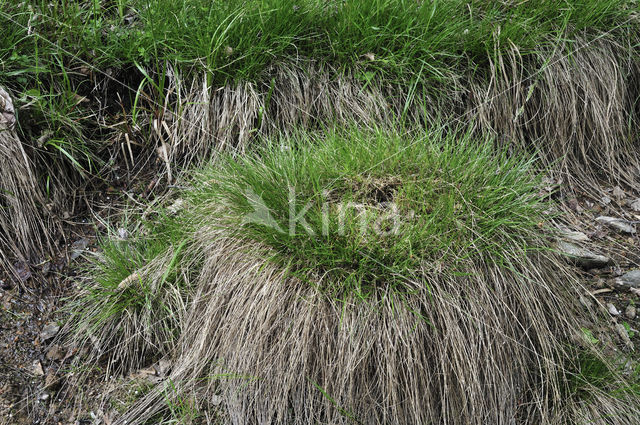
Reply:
x=23 y=218
x=456 y=312
x=133 y=311
x=370 y=201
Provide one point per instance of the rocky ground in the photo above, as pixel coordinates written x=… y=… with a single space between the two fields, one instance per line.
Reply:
x=36 y=371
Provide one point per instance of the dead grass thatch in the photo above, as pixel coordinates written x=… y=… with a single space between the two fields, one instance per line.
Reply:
x=23 y=218
x=577 y=108
x=203 y=120
x=490 y=347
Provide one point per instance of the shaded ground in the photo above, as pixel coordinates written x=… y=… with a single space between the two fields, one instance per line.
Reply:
x=33 y=367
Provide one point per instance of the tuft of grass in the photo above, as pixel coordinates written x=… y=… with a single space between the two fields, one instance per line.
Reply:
x=129 y=314
x=365 y=210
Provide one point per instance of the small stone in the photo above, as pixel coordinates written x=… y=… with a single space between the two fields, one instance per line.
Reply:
x=22 y=271
x=216 y=400
x=44 y=397
x=573 y=235
x=630 y=312
x=78 y=248
x=624 y=335
x=630 y=278
x=635 y=205
x=618 y=193
x=605 y=200
x=612 y=310
x=50 y=330
x=123 y=234
x=616 y=223
x=177 y=205
x=582 y=256
x=37 y=369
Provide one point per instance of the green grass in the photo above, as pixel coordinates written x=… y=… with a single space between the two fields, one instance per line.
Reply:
x=592 y=371
x=123 y=259
x=378 y=208
x=122 y=304
x=238 y=39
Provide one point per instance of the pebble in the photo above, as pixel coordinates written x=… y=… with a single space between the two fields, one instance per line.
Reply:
x=574 y=236
x=618 y=193
x=630 y=311
x=177 y=205
x=50 y=330
x=616 y=223
x=37 y=369
x=624 y=335
x=78 y=247
x=216 y=400
x=22 y=271
x=612 y=310
x=582 y=256
x=630 y=279
x=635 y=205
x=123 y=234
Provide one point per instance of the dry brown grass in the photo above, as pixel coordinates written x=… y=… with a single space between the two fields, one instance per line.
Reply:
x=294 y=96
x=23 y=217
x=579 y=111
x=490 y=347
